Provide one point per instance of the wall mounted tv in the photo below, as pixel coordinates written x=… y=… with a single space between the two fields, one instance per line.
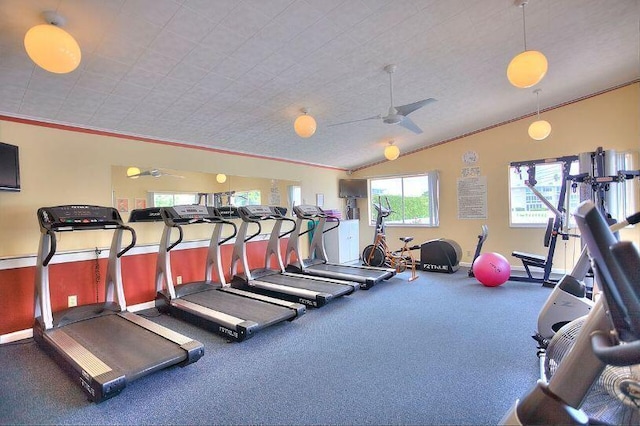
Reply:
x=9 y=168
x=352 y=188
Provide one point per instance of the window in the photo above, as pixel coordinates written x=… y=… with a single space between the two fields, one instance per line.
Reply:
x=246 y=198
x=526 y=208
x=170 y=199
x=413 y=199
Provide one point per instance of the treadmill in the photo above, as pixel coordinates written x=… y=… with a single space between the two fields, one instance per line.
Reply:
x=316 y=264
x=101 y=345
x=272 y=279
x=211 y=304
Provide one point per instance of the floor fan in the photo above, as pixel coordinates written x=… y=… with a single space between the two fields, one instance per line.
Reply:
x=615 y=397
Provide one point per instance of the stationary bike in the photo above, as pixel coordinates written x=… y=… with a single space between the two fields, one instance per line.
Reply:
x=378 y=254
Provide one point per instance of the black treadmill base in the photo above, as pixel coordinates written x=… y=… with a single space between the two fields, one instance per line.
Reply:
x=97 y=389
x=238 y=334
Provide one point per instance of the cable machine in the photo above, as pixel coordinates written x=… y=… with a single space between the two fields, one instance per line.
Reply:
x=597 y=171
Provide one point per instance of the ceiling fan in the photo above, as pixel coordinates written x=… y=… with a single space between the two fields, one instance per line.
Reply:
x=134 y=172
x=396 y=114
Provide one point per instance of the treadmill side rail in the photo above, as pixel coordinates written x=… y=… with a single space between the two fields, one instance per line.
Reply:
x=228 y=326
x=297 y=307
x=194 y=349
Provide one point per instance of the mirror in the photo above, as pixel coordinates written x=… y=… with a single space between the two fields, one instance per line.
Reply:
x=150 y=187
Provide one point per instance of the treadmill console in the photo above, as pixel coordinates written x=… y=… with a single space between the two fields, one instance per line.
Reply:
x=257 y=210
x=78 y=217
x=306 y=211
x=150 y=214
x=190 y=214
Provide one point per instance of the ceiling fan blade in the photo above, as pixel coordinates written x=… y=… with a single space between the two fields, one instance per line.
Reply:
x=355 y=121
x=409 y=108
x=408 y=124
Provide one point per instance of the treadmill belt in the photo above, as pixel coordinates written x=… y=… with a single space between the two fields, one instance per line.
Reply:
x=319 y=286
x=263 y=313
x=351 y=270
x=125 y=346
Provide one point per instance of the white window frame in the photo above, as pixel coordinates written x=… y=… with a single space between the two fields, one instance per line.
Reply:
x=433 y=182
x=571 y=199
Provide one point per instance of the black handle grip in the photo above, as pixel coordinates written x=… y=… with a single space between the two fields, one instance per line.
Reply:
x=132 y=244
x=52 y=250
x=179 y=240
x=255 y=234
x=334 y=226
x=235 y=231
x=614 y=354
x=633 y=219
x=285 y=233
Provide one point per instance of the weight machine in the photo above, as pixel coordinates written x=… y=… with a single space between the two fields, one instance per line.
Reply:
x=597 y=173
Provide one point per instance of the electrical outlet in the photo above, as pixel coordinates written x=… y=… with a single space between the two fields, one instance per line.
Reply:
x=179 y=279
x=469 y=253
x=72 y=301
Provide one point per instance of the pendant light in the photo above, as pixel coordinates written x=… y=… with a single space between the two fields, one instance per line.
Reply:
x=539 y=129
x=52 y=48
x=305 y=125
x=391 y=152
x=529 y=67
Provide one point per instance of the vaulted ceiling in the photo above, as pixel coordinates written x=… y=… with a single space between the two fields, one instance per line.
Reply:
x=234 y=74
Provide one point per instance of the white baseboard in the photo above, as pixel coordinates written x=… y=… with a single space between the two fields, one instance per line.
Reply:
x=141 y=306
x=16 y=335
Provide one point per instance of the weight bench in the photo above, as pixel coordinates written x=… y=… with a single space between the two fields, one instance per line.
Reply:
x=530 y=260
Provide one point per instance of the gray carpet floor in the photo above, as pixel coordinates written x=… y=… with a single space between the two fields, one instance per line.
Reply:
x=439 y=350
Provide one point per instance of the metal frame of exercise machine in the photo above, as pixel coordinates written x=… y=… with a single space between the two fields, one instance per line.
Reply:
x=317 y=264
x=555 y=225
x=609 y=336
x=101 y=345
x=211 y=303
x=272 y=279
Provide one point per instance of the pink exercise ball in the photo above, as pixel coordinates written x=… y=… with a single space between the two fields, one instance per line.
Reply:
x=491 y=269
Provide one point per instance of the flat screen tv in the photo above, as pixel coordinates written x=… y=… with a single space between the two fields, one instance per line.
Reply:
x=352 y=188
x=9 y=168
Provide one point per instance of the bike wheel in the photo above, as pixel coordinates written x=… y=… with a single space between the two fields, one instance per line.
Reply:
x=373 y=255
x=399 y=264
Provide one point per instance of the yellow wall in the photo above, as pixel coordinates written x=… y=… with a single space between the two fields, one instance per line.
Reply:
x=60 y=167
x=609 y=120
x=67 y=167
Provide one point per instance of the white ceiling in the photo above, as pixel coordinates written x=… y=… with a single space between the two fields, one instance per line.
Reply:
x=233 y=75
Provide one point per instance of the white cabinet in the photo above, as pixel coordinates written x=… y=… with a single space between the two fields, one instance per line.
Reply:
x=342 y=244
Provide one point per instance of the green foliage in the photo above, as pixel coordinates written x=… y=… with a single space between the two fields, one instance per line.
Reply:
x=415 y=208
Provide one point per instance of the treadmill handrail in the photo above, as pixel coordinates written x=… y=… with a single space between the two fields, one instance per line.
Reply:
x=337 y=221
x=131 y=244
x=52 y=249
x=255 y=234
x=179 y=240
x=230 y=237
x=285 y=233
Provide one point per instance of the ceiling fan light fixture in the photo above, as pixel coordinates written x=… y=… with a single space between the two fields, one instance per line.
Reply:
x=305 y=125
x=391 y=152
x=529 y=67
x=221 y=178
x=133 y=172
x=52 y=48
